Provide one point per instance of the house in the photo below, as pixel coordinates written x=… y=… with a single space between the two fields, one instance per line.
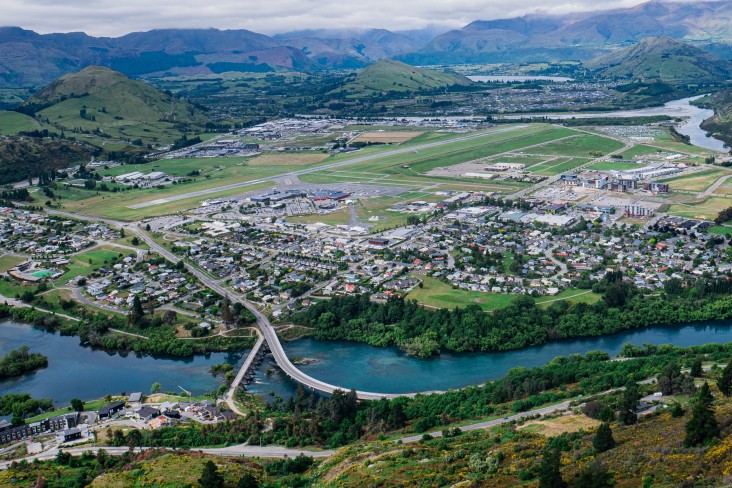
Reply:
x=135 y=399
x=148 y=413
x=108 y=411
x=69 y=435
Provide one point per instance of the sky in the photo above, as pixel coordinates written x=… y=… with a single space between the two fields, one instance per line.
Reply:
x=118 y=17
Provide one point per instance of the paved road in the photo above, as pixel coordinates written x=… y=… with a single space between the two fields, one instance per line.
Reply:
x=338 y=164
x=231 y=451
x=229 y=397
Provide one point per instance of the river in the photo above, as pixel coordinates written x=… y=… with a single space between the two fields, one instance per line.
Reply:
x=78 y=371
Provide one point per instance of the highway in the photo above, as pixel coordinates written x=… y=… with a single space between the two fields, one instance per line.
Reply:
x=323 y=167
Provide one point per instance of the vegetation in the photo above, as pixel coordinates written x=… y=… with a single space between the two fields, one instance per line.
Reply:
x=521 y=323
x=16 y=363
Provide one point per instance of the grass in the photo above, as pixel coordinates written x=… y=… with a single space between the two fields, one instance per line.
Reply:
x=582 y=145
x=387 y=136
x=88 y=406
x=288 y=159
x=7 y=262
x=560 y=425
x=435 y=293
x=14 y=122
x=720 y=230
x=697 y=181
x=572 y=295
x=708 y=208
x=557 y=166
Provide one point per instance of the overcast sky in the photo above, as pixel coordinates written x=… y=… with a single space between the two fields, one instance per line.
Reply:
x=118 y=17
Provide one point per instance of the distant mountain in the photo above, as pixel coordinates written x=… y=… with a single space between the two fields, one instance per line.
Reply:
x=394 y=76
x=103 y=101
x=662 y=59
x=577 y=36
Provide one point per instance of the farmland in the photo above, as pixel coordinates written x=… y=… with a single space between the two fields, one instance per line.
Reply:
x=698 y=182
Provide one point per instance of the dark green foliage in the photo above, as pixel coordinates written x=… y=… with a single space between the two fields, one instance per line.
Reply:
x=248 y=481
x=522 y=323
x=16 y=363
x=603 y=440
x=549 y=475
x=631 y=397
x=20 y=405
x=703 y=427
x=725 y=381
x=677 y=410
x=211 y=478
x=696 y=370
x=77 y=404
x=595 y=476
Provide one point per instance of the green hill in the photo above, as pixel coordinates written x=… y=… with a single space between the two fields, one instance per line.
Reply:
x=25 y=157
x=394 y=76
x=14 y=122
x=662 y=59
x=104 y=103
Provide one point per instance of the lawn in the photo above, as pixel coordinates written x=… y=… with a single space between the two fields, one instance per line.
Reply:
x=384 y=137
x=93 y=405
x=437 y=294
x=721 y=230
x=697 y=181
x=288 y=159
x=85 y=263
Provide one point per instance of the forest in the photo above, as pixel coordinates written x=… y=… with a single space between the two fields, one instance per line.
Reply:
x=18 y=362
x=520 y=324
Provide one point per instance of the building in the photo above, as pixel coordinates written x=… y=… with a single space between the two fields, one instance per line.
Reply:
x=69 y=435
x=148 y=413
x=379 y=242
x=597 y=181
x=505 y=167
x=135 y=399
x=637 y=210
x=657 y=187
x=54 y=424
x=108 y=411
x=569 y=179
x=324 y=195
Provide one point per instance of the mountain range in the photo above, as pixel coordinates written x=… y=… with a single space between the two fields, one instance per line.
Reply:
x=31 y=59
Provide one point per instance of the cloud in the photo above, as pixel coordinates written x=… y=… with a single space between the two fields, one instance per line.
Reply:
x=119 y=17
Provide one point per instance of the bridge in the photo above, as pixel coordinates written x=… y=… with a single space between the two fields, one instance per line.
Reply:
x=268 y=334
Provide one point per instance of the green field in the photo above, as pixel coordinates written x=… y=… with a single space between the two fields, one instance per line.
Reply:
x=570 y=295
x=437 y=294
x=14 y=122
x=7 y=262
x=581 y=145
x=708 y=208
x=557 y=166
x=699 y=181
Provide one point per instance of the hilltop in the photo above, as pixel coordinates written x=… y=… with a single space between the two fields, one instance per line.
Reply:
x=108 y=104
x=662 y=59
x=394 y=76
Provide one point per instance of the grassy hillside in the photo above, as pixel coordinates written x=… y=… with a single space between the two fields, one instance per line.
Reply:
x=662 y=59
x=393 y=76
x=108 y=104
x=14 y=122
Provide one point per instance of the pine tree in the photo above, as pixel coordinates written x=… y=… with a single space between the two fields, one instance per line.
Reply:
x=136 y=314
x=696 y=368
x=549 y=475
x=248 y=481
x=631 y=397
x=211 y=478
x=725 y=382
x=595 y=476
x=702 y=427
x=603 y=440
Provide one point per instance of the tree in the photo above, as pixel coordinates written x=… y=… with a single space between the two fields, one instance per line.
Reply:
x=155 y=388
x=136 y=314
x=703 y=427
x=170 y=317
x=549 y=475
x=725 y=381
x=595 y=475
x=696 y=368
x=77 y=404
x=248 y=481
x=122 y=232
x=603 y=440
x=210 y=477
x=631 y=397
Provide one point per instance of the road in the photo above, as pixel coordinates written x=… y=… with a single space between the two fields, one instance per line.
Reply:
x=265 y=326
x=229 y=397
x=231 y=451
x=314 y=169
